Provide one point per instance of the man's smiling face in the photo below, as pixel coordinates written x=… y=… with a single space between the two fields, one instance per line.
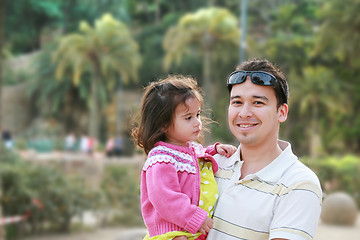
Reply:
x=253 y=115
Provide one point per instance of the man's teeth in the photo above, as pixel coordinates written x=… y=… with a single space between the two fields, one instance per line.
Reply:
x=246 y=125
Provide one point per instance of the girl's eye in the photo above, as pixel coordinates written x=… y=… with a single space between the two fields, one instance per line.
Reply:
x=188 y=118
x=198 y=115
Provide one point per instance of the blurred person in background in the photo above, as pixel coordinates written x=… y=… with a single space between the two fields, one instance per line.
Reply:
x=7 y=139
x=115 y=146
x=265 y=192
x=85 y=144
x=70 y=142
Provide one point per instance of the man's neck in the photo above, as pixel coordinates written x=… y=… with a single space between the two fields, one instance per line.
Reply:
x=256 y=158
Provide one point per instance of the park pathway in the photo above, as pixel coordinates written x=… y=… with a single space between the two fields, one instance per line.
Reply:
x=325 y=232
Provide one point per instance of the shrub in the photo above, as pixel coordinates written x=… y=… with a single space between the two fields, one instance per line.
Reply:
x=338 y=174
x=62 y=197
x=120 y=186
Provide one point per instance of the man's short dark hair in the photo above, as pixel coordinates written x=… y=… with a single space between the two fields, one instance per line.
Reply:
x=281 y=87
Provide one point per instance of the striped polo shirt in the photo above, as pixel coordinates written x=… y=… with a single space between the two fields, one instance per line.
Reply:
x=283 y=200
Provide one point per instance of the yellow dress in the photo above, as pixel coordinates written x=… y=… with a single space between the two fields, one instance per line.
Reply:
x=208 y=196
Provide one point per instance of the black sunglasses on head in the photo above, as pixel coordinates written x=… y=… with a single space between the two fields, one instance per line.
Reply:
x=257 y=77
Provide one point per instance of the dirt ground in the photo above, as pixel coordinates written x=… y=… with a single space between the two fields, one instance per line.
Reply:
x=325 y=232
x=333 y=232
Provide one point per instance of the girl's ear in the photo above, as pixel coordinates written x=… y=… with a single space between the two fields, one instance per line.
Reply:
x=283 y=112
x=164 y=129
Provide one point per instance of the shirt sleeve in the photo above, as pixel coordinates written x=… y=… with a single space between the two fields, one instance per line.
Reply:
x=168 y=200
x=297 y=213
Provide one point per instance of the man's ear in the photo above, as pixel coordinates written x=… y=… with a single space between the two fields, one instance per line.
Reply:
x=283 y=112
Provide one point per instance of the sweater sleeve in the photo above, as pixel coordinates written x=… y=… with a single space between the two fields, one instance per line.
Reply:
x=212 y=149
x=165 y=194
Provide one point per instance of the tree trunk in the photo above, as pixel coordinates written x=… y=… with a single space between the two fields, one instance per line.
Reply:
x=120 y=110
x=94 y=103
x=315 y=137
x=2 y=229
x=208 y=93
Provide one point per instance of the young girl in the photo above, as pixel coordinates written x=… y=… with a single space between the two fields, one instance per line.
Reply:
x=178 y=190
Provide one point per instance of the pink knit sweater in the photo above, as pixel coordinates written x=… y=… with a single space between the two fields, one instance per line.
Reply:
x=170 y=188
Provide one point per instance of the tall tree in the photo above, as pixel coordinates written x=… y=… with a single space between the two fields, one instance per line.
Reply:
x=318 y=91
x=346 y=29
x=2 y=229
x=106 y=51
x=341 y=53
x=211 y=33
x=60 y=99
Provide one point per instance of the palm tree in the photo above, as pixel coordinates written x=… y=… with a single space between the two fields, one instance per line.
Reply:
x=318 y=91
x=107 y=51
x=61 y=100
x=346 y=29
x=211 y=33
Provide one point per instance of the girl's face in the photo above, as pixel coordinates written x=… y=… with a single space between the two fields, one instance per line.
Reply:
x=186 y=123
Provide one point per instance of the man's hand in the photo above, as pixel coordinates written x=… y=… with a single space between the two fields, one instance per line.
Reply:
x=225 y=150
x=207 y=225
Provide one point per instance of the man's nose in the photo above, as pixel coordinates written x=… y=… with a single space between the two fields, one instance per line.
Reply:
x=245 y=111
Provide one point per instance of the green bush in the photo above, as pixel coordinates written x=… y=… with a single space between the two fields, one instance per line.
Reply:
x=338 y=174
x=120 y=186
x=62 y=196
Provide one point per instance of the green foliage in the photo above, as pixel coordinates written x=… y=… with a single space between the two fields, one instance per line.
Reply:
x=319 y=96
x=106 y=52
x=121 y=189
x=60 y=100
x=33 y=15
x=62 y=197
x=338 y=174
x=208 y=29
x=13 y=78
x=296 y=35
x=344 y=27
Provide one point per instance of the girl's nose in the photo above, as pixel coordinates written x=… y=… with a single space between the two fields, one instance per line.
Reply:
x=197 y=122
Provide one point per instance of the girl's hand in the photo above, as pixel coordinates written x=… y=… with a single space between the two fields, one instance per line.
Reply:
x=206 y=226
x=225 y=150
x=180 y=238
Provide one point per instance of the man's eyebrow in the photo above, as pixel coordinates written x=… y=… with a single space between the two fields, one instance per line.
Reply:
x=257 y=97
x=262 y=97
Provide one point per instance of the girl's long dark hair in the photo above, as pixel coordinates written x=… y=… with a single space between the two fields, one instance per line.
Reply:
x=158 y=106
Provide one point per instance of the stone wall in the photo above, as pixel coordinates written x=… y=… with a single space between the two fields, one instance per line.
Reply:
x=15 y=102
x=16 y=110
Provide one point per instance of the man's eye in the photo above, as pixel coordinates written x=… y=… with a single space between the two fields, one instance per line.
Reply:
x=236 y=103
x=258 y=103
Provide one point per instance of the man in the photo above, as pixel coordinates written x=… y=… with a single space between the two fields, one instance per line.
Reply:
x=265 y=192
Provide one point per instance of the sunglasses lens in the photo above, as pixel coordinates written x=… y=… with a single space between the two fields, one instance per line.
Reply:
x=263 y=79
x=237 y=78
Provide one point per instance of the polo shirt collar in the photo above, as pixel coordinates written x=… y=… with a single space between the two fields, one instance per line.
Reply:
x=274 y=171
